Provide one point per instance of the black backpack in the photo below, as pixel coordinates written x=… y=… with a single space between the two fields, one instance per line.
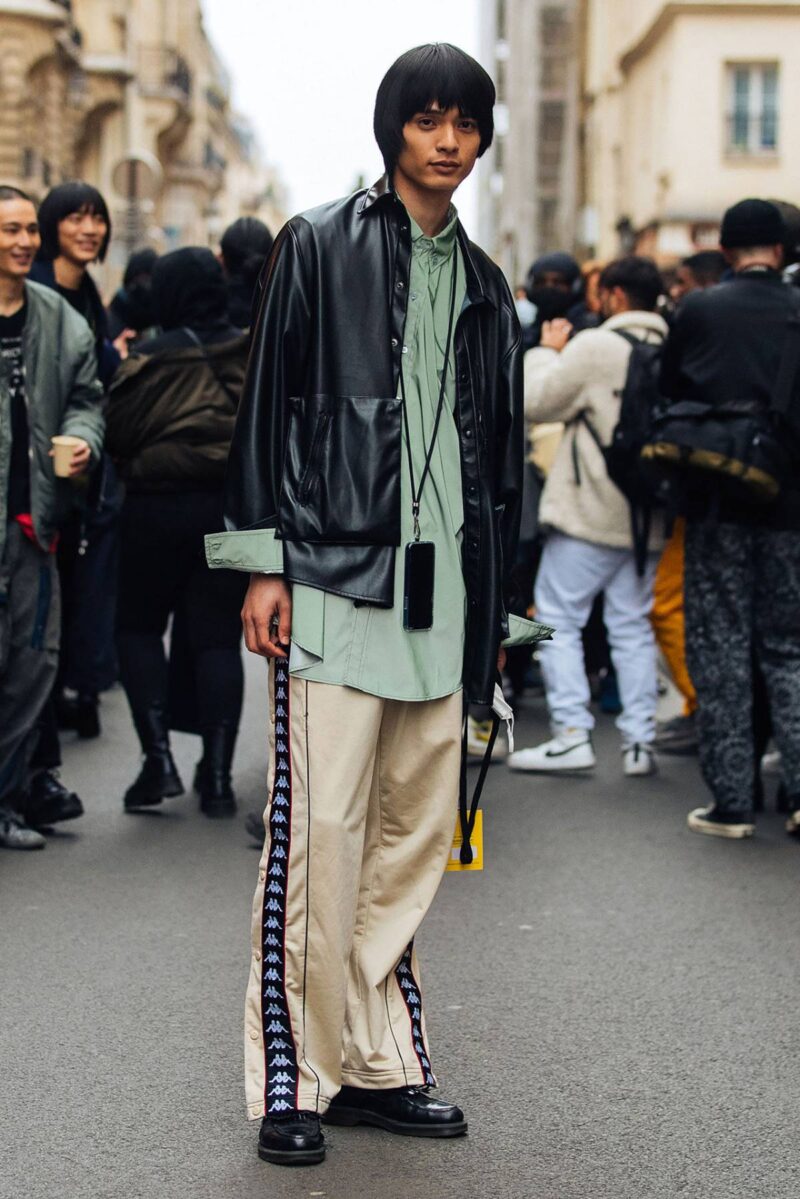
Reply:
x=642 y=484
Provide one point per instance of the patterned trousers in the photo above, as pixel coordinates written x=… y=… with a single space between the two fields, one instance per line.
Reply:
x=742 y=592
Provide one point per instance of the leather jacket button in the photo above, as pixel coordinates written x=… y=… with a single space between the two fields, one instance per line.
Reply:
x=473 y=545
x=471 y=490
x=468 y=432
x=395 y=343
x=400 y=285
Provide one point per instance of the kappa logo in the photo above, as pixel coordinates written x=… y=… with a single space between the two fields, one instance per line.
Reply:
x=282 y=1060
x=274 y=1010
x=283 y=1078
x=277 y=868
x=270 y=940
x=279 y=818
x=403 y=969
x=280 y=1091
x=271 y=993
x=280 y=693
x=272 y=923
x=272 y=976
x=417 y=1013
x=275 y=889
x=280 y=1106
x=278 y=850
x=280 y=710
x=281 y=748
x=420 y=1050
x=275 y=1026
x=406 y=984
x=272 y=905
x=273 y=958
x=279 y=1044
x=282 y=784
x=280 y=729
x=279 y=835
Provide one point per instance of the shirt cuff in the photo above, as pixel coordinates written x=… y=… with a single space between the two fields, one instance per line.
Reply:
x=256 y=551
x=526 y=632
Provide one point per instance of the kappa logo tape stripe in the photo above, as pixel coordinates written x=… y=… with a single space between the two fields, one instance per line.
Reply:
x=412 y=998
x=282 y=1077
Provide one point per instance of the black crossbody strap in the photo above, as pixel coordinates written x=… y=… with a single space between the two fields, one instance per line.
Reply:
x=229 y=392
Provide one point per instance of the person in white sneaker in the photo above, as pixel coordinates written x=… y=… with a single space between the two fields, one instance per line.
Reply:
x=589 y=540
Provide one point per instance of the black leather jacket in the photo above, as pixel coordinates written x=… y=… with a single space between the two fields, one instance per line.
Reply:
x=317 y=449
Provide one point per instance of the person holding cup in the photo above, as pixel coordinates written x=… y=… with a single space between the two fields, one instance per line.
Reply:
x=51 y=431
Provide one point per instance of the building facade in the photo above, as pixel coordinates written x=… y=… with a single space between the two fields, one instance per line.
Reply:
x=687 y=107
x=530 y=176
x=130 y=96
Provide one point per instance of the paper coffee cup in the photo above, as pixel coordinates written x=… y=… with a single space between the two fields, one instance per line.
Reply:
x=64 y=449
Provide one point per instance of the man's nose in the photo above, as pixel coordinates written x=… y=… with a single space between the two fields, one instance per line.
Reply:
x=447 y=137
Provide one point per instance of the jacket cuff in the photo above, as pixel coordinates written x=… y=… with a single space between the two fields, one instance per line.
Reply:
x=253 y=550
x=526 y=632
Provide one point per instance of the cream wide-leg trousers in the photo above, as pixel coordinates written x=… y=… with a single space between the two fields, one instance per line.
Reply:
x=360 y=820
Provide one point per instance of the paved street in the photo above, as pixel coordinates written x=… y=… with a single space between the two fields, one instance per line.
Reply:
x=614 y=1000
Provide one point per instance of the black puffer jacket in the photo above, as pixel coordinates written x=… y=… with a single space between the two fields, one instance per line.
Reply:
x=317 y=448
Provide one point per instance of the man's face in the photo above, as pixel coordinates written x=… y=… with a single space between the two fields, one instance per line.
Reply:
x=683 y=283
x=439 y=150
x=19 y=237
x=81 y=236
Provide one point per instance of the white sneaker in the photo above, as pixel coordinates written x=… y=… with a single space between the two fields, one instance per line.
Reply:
x=478 y=734
x=571 y=749
x=638 y=760
x=771 y=762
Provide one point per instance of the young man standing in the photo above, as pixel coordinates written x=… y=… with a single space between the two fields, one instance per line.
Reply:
x=374 y=483
x=48 y=386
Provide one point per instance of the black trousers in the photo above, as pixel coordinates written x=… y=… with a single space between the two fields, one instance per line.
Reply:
x=163 y=575
x=742 y=605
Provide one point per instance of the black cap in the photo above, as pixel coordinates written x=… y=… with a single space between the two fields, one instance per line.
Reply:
x=752 y=223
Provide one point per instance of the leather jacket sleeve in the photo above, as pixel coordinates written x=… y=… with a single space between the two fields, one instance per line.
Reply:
x=275 y=372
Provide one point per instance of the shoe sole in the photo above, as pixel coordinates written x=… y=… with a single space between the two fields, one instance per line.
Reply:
x=152 y=802
x=305 y=1157
x=566 y=770
x=734 y=832
x=348 y=1117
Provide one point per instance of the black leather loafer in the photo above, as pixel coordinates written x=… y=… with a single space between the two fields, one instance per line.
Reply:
x=294 y=1139
x=409 y=1111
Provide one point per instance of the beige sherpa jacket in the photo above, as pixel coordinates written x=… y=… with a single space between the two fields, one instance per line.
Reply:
x=587 y=377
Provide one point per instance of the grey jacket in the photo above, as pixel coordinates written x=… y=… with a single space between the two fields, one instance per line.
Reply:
x=63 y=396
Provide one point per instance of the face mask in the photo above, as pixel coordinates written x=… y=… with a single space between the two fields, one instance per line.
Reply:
x=550 y=302
x=525 y=311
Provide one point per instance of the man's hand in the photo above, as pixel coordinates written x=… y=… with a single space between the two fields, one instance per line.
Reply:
x=81 y=457
x=555 y=334
x=268 y=604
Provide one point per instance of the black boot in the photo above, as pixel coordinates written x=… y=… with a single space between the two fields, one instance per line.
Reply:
x=49 y=801
x=212 y=780
x=158 y=779
x=87 y=715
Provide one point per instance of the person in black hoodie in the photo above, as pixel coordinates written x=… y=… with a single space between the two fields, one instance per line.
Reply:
x=171 y=416
x=726 y=347
x=244 y=249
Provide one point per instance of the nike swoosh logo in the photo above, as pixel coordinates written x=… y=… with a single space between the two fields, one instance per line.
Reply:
x=559 y=753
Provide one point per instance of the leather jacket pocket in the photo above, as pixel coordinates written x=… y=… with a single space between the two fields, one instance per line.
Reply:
x=341 y=471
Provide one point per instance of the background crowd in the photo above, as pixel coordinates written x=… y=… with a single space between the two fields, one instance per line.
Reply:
x=98 y=566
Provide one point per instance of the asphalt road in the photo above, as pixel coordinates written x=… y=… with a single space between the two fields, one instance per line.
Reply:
x=614 y=1000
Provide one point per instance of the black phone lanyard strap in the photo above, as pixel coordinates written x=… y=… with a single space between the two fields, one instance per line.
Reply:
x=416 y=495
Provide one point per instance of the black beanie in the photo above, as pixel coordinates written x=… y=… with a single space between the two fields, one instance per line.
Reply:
x=752 y=223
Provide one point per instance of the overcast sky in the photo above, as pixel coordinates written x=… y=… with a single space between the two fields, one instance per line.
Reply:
x=306 y=73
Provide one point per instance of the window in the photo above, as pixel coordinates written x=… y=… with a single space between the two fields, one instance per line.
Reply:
x=752 y=108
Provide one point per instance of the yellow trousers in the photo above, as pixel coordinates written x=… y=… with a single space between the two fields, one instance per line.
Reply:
x=667 y=616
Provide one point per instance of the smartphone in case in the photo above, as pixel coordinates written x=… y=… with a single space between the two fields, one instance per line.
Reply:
x=418 y=586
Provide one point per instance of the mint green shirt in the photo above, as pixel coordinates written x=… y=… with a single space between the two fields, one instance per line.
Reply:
x=333 y=640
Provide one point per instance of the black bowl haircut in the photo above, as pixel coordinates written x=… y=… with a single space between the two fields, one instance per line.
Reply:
x=62 y=200
x=432 y=74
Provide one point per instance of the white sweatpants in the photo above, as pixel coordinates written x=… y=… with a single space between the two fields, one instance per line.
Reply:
x=571 y=574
